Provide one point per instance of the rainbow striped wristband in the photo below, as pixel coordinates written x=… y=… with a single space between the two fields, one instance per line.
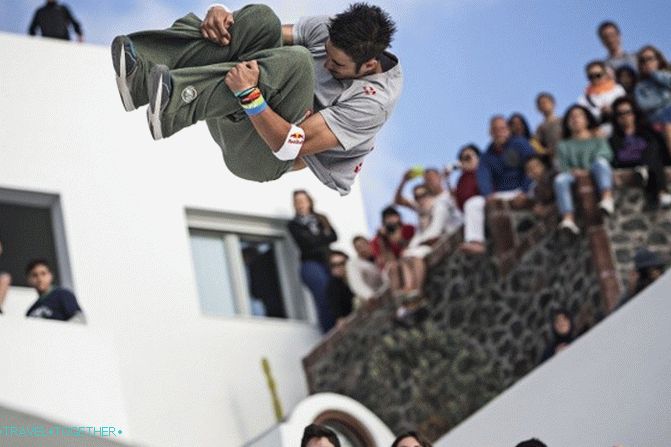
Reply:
x=252 y=101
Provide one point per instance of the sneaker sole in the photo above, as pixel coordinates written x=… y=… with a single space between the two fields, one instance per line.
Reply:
x=119 y=60
x=155 y=103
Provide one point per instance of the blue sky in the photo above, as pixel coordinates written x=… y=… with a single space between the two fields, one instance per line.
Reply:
x=464 y=60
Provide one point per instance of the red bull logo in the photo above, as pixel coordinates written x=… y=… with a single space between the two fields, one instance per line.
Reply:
x=358 y=167
x=368 y=90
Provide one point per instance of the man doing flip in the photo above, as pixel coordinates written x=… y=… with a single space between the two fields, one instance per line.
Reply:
x=275 y=98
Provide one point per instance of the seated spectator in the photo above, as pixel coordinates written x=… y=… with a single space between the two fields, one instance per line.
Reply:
x=54 y=20
x=5 y=282
x=549 y=132
x=627 y=78
x=388 y=244
x=319 y=436
x=541 y=191
x=434 y=184
x=411 y=439
x=648 y=267
x=600 y=94
x=562 y=333
x=53 y=303
x=519 y=127
x=609 y=33
x=531 y=443
x=500 y=176
x=313 y=233
x=637 y=146
x=338 y=293
x=363 y=275
x=467 y=185
x=653 y=91
x=579 y=151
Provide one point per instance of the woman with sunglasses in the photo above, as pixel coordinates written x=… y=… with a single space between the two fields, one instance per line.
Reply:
x=653 y=92
x=600 y=94
x=637 y=146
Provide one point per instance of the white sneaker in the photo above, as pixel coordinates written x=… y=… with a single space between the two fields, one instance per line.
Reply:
x=607 y=206
x=665 y=200
x=642 y=172
x=569 y=226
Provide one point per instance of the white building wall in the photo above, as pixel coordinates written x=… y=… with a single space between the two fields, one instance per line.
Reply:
x=184 y=376
x=611 y=387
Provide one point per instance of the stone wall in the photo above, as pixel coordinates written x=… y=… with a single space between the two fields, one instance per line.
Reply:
x=488 y=317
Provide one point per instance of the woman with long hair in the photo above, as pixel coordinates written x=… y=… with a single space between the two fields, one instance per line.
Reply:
x=314 y=234
x=411 y=439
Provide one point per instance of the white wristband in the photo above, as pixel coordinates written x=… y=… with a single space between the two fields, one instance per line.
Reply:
x=292 y=145
x=220 y=5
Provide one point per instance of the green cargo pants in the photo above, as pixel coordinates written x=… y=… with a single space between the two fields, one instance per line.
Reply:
x=198 y=66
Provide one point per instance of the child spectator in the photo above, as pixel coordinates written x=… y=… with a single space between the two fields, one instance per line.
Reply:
x=363 y=275
x=53 y=303
x=653 y=92
x=519 y=127
x=338 y=292
x=562 y=333
x=541 y=191
x=549 y=132
x=313 y=234
x=600 y=94
x=637 y=146
x=581 y=150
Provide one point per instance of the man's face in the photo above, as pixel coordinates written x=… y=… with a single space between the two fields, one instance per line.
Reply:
x=392 y=220
x=432 y=181
x=340 y=64
x=363 y=249
x=319 y=442
x=610 y=38
x=535 y=169
x=40 y=278
x=562 y=324
x=545 y=105
x=337 y=265
x=499 y=131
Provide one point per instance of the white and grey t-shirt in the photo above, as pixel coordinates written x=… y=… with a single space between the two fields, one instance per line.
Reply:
x=354 y=109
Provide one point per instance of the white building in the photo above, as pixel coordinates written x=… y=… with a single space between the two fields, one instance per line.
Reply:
x=149 y=236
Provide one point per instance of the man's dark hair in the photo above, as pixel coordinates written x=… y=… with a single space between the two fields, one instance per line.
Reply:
x=338 y=253
x=390 y=211
x=606 y=24
x=531 y=443
x=359 y=238
x=595 y=63
x=536 y=157
x=472 y=147
x=37 y=262
x=547 y=95
x=362 y=31
x=319 y=431
x=592 y=123
x=411 y=434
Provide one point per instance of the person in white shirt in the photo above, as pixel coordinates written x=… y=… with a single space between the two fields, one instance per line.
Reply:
x=365 y=278
x=600 y=94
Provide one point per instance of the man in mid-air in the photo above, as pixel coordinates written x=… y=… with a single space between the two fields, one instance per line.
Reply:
x=275 y=98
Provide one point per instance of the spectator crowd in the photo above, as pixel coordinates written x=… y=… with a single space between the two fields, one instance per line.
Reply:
x=621 y=120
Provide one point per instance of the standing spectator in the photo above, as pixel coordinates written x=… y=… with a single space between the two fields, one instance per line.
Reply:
x=648 y=267
x=581 y=150
x=609 y=33
x=411 y=439
x=627 y=78
x=433 y=181
x=338 y=292
x=500 y=176
x=549 y=132
x=53 y=303
x=319 y=436
x=637 y=146
x=562 y=333
x=541 y=191
x=653 y=92
x=313 y=234
x=531 y=443
x=467 y=185
x=54 y=20
x=263 y=280
x=600 y=94
x=519 y=127
x=364 y=276
x=388 y=244
x=5 y=282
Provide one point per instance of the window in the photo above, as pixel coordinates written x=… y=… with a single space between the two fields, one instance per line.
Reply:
x=245 y=266
x=31 y=226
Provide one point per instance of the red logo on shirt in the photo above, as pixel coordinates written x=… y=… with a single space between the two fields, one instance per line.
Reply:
x=357 y=168
x=368 y=90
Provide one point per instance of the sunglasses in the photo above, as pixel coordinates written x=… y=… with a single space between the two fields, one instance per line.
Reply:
x=620 y=113
x=593 y=76
x=337 y=264
x=646 y=59
x=466 y=158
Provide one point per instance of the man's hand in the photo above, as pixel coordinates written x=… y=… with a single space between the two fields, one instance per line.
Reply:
x=216 y=24
x=243 y=76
